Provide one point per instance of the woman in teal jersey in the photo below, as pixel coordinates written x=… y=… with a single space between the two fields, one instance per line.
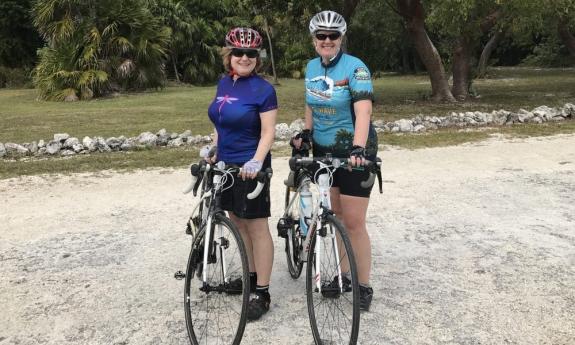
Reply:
x=339 y=96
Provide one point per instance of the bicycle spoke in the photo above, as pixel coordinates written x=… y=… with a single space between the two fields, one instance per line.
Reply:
x=216 y=312
x=333 y=309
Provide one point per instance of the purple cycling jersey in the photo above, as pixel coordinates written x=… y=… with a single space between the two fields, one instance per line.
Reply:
x=235 y=112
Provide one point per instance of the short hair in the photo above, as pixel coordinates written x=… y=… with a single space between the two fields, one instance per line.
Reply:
x=226 y=54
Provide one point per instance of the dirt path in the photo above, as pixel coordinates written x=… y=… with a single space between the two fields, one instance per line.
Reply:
x=473 y=244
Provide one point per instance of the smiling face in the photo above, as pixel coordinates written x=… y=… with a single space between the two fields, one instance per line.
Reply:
x=243 y=65
x=327 y=48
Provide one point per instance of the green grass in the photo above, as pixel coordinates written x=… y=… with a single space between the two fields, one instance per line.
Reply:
x=506 y=88
x=177 y=108
x=23 y=118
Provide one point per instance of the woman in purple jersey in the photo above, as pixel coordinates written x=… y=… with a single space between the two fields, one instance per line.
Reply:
x=244 y=115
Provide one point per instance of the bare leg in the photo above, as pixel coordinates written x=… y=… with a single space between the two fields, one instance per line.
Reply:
x=263 y=248
x=259 y=246
x=242 y=227
x=352 y=210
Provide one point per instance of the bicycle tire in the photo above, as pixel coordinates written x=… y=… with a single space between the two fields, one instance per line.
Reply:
x=327 y=327
x=292 y=244
x=217 y=316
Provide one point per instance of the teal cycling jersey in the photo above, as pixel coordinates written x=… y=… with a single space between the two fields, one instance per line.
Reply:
x=331 y=91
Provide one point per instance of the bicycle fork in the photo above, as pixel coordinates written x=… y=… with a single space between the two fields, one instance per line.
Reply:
x=213 y=245
x=324 y=211
x=318 y=256
x=207 y=247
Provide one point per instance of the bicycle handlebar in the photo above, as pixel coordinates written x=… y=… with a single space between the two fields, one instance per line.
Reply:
x=374 y=167
x=261 y=177
x=198 y=170
x=195 y=171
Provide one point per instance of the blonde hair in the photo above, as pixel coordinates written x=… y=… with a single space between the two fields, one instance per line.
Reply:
x=226 y=54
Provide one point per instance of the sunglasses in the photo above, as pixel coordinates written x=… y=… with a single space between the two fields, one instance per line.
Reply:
x=332 y=37
x=250 y=53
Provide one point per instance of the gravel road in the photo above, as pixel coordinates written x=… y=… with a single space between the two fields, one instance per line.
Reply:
x=473 y=244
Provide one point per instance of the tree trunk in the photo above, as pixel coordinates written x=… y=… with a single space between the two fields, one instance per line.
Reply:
x=566 y=36
x=405 y=62
x=175 y=70
x=461 y=69
x=486 y=25
x=486 y=53
x=348 y=9
x=267 y=30
x=462 y=55
x=413 y=13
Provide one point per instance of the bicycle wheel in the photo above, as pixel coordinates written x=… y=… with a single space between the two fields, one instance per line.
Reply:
x=216 y=310
x=293 y=242
x=333 y=311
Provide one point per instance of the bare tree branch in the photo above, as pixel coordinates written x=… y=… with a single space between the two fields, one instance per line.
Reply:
x=393 y=8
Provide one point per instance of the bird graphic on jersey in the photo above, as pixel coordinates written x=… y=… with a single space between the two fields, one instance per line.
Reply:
x=223 y=100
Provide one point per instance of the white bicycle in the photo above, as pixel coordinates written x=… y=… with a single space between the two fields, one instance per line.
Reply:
x=314 y=235
x=216 y=291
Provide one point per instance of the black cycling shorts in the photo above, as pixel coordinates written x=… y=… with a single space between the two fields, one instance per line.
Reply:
x=349 y=182
x=235 y=199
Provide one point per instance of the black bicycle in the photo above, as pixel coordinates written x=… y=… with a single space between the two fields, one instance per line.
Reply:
x=216 y=292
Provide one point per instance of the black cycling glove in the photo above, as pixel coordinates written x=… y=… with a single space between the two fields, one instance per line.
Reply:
x=306 y=138
x=357 y=151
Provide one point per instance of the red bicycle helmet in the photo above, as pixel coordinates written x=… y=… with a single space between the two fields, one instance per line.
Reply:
x=243 y=38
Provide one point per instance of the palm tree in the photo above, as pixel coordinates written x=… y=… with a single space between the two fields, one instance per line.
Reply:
x=198 y=30
x=95 y=47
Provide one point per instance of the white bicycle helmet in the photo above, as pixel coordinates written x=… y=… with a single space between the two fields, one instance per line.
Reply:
x=329 y=21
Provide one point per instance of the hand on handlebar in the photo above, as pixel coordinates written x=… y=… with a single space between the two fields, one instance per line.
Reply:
x=303 y=137
x=357 y=157
x=250 y=169
x=210 y=154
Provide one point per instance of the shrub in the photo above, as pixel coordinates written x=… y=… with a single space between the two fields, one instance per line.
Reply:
x=549 y=53
x=15 y=77
x=98 y=47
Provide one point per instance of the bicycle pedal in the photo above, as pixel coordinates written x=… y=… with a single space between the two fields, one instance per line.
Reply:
x=197 y=220
x=284 y=224
x=224 y=242
x=179 y=275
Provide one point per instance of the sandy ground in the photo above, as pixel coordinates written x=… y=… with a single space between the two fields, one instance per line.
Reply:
x=473 y=244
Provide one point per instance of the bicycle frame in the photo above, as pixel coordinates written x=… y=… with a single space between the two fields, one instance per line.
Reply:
x=208 y=205
x=323 y=205
x=208 y=232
